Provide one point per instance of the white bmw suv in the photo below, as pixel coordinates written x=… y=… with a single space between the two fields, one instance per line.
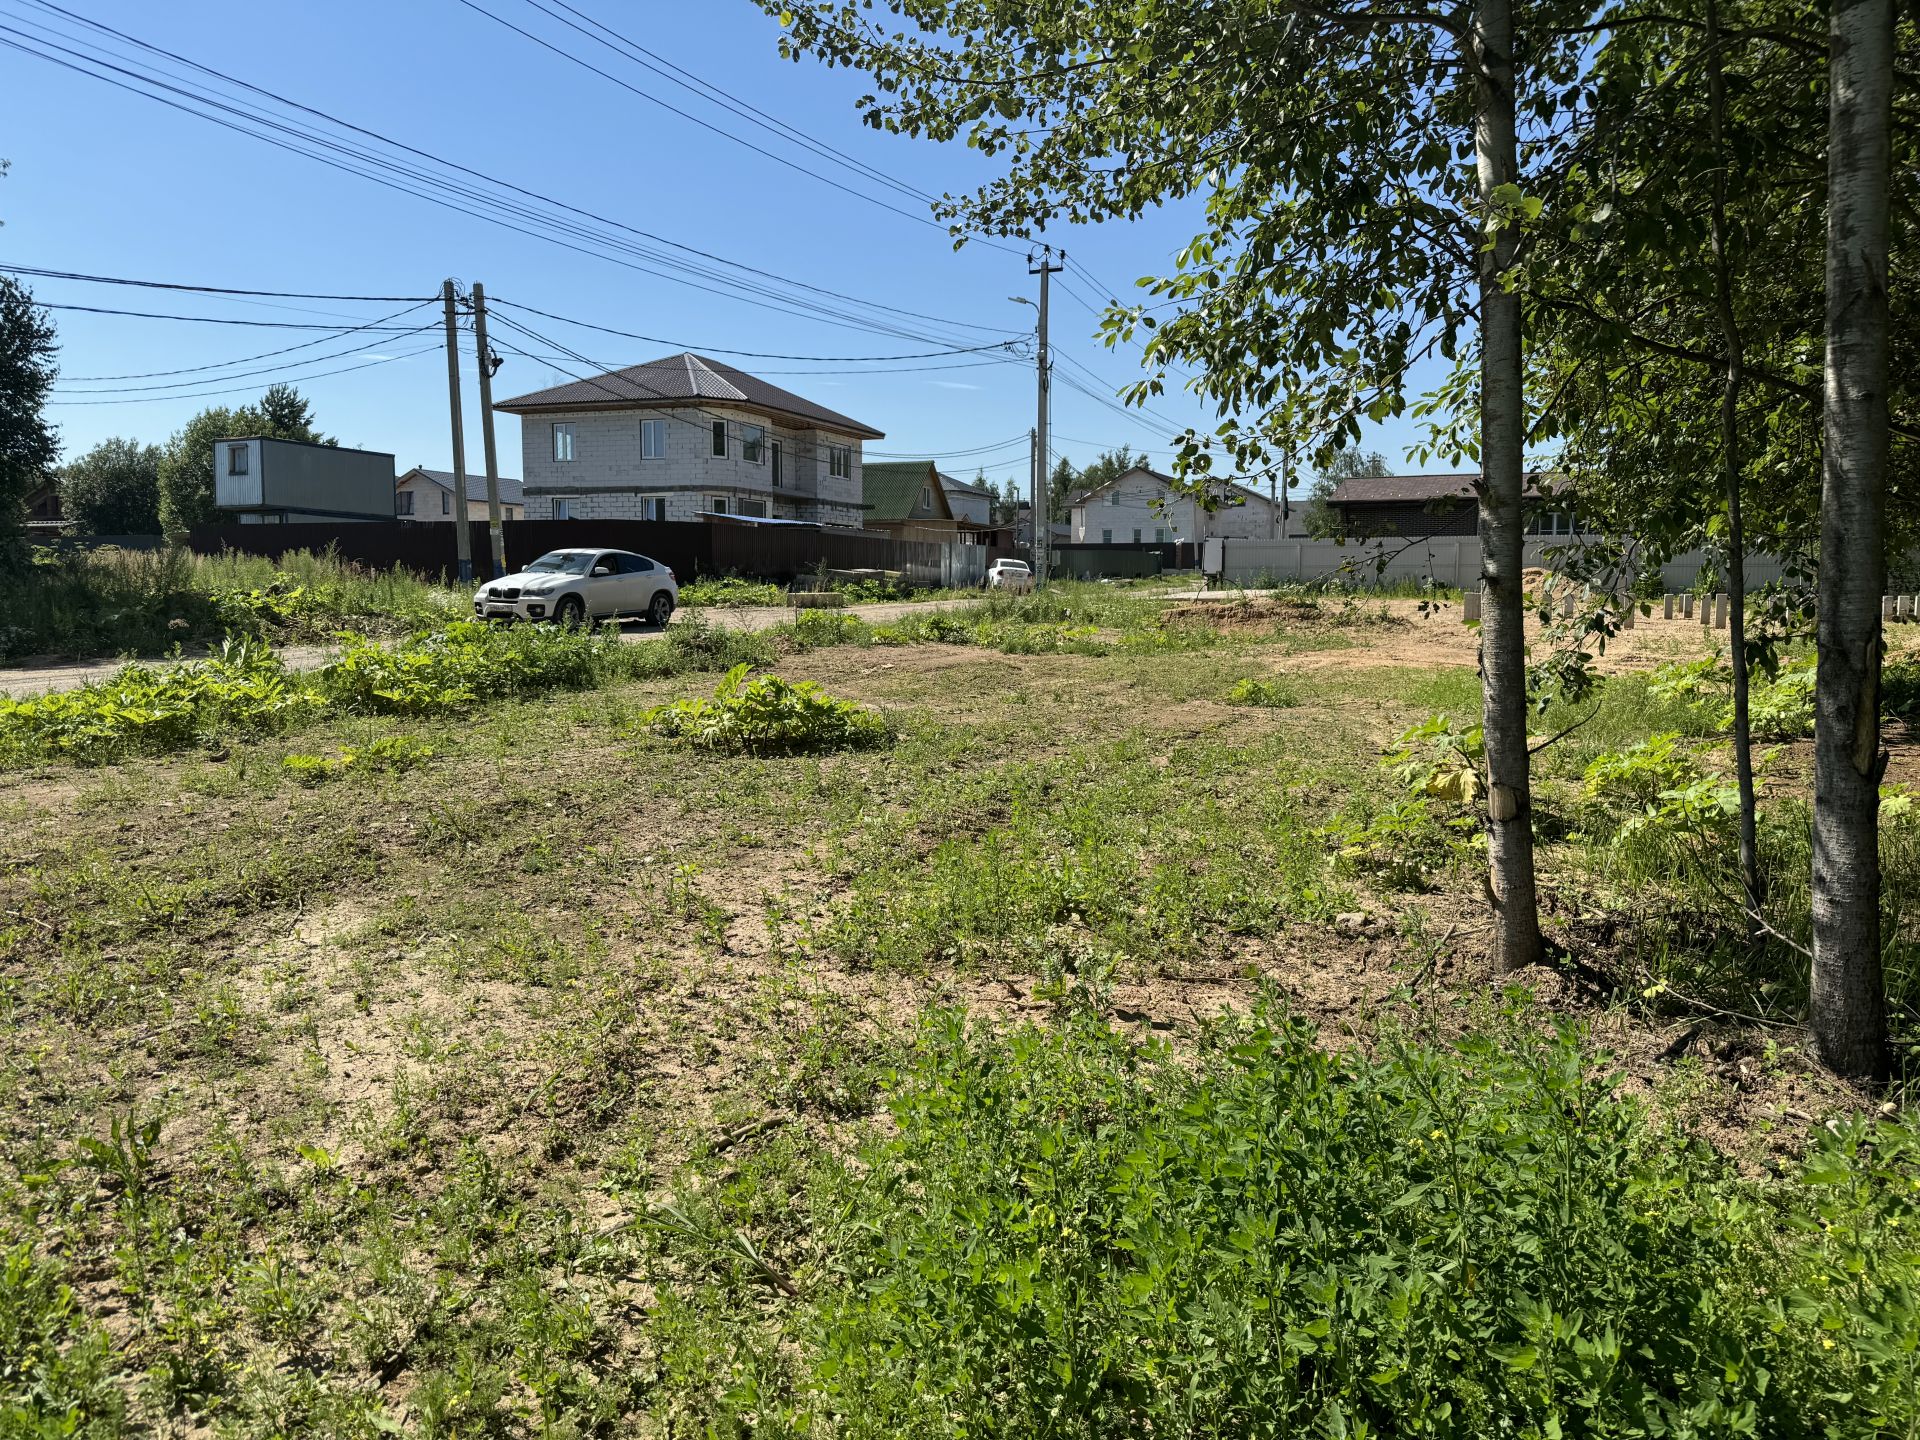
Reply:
x=572 y=587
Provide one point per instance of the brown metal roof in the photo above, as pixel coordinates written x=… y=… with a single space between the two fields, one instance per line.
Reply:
x=1410 y=489
x=678 y=380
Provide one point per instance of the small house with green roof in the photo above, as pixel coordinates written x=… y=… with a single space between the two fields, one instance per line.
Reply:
x=905 y=499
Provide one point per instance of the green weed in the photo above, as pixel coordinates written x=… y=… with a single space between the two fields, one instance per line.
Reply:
x=768 y=716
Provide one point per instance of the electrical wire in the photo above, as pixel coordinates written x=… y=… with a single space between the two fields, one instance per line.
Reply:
x=285 y=370
x=244 y=359
x=248 y=389
x=551 y=228
x=214 y=319
x=40 y=274
x=750 y=354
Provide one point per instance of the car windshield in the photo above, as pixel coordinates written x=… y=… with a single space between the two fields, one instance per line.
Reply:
x=1013 y=564
x=566 y=562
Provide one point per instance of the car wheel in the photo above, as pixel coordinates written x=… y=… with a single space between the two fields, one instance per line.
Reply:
x=570 y=612
x=661 y=610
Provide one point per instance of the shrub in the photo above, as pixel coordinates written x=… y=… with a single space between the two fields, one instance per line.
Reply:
x=729 y=592
x=1264 y=693
x=767 y=716
x=1900 y=687
x=454 y=668
x=1071 y=1232
x=1636 y=777
x=151 y=710
x=696 y=645
x=821 y=629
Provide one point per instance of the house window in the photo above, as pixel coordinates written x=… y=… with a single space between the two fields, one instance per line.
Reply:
x=755 y=508
x=1106 y=537
x=406 y=502
x=1113 y=497
x=562 y=443
x=446 y=502
x=926 y=497
x=753 y=444
x=236 y=459
x=562 y=508
x=653 y=439
x=653 y=507
x=779 y=466
x=717 y=504
x=720 y=438
x=1136 y=537
x=840 y=462
x=1159 y=534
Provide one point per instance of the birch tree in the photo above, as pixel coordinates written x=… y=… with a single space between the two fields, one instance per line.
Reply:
x=1848 y=993
x=1363 y=172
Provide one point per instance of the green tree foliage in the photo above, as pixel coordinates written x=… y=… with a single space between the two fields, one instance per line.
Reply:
x=1322 y=521
x=1365 y=208
x=186 y=464
x=28 y=364
x=113 y=489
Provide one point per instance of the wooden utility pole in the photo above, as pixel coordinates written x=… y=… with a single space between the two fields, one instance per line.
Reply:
x=496 y=537
x=462 y=540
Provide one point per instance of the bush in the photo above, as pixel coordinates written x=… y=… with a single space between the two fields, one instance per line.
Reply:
x=729 y=592
x=1268 y=694
x=151 y=710
x=454 y=668
x=1074 y=1233
x=768 y=716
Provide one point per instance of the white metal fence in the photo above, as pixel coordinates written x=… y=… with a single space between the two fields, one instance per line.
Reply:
x=1446 y=560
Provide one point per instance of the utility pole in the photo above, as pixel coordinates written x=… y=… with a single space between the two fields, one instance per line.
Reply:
x=497 y=539
x=1043 y=266
x=1033 y=499
x=462 y=540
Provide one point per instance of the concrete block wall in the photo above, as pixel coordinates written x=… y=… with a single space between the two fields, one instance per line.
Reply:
x=607 y=476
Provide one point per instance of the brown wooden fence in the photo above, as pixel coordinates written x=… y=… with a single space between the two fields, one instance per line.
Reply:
x=775 y=552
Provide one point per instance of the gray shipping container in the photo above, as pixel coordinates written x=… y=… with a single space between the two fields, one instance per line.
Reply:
x=287 y=481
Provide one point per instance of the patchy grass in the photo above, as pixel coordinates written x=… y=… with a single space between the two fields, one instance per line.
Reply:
x=116 y=602
x=506 y=1068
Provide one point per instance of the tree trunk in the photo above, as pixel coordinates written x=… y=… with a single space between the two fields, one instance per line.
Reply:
x=1735 y=349
x=1503 y=650
x=1849 y=1011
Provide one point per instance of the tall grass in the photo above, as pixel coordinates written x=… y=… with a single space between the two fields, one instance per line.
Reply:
x=112 y=602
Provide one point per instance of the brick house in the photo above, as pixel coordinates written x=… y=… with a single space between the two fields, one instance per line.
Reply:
x=423 y=494
x=685 y=438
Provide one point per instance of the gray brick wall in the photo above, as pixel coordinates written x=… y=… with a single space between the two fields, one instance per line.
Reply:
x=607 y=477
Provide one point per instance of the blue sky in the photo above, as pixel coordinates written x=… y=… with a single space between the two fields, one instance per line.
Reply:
x=108 y=183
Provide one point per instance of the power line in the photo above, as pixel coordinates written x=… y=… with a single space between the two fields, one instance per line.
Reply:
x=745 y=109
x=240 y=374
x=441 y=186
x=246 y=389
x=947 y=454
x=217 y=319
x=244 y=359
x=750 y=354
x=201 y=289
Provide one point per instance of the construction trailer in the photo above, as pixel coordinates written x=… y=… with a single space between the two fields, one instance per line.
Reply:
x=259 y=481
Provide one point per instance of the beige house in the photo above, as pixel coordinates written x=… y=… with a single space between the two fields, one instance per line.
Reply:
x=1142 y=506
x=687 y=438
x=423 y=494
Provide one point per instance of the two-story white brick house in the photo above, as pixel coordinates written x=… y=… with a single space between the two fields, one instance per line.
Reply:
x=1142 y=505
x=683 y=438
